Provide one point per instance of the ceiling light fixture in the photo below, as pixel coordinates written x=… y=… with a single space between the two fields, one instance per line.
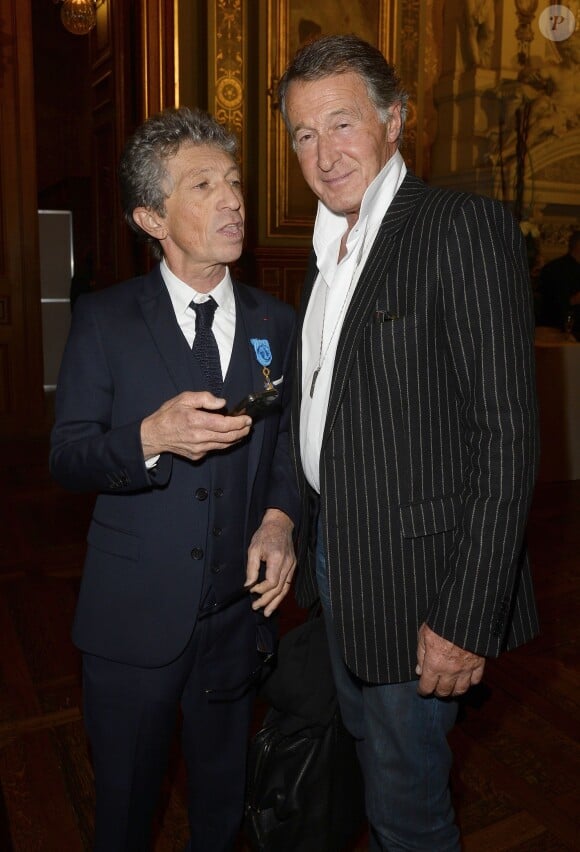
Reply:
x=78 y=16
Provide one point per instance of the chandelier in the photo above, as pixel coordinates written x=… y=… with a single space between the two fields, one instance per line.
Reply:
x=78 y=16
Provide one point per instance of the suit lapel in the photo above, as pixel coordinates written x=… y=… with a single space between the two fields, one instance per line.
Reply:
x=252 y=322
x=160 y=318
x=372 y=279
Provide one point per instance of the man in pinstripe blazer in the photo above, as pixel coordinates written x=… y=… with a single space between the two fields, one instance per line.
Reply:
x=415 y=433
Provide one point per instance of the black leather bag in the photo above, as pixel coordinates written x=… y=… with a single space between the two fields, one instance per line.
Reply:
x=305 y=789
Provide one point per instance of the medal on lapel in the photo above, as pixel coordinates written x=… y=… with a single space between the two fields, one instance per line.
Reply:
x=263 y=357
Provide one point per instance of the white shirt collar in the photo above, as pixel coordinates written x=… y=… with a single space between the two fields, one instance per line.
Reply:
x=181 y=294
x=329 y=227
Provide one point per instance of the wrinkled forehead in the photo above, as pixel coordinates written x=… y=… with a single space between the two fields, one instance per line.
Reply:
x=331 y=94
x=191 y=161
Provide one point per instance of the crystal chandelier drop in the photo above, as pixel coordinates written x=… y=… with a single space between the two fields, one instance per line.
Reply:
x=78 y=16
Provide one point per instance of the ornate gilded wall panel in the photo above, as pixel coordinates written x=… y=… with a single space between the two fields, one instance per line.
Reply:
x=509 y=111
x=403 y=30
x=283 y=204
x=411 y=42
x=227 y=57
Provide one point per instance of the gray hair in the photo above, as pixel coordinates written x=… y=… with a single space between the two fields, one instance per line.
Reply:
x=143 y=171
x=339 y=54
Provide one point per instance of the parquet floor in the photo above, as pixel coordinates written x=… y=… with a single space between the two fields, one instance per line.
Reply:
x=516 y=780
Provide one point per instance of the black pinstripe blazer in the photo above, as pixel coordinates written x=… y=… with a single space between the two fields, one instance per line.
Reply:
x=430 y=447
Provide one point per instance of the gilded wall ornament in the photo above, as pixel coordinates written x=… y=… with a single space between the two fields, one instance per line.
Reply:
x=229 y=66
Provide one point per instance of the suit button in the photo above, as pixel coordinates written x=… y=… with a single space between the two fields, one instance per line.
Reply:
x=202 y=494
x=219 y=492
x=217 y=531
x=216 y=569
x=197 y=553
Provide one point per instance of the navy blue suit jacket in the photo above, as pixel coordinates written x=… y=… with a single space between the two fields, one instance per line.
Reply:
x=124 y=358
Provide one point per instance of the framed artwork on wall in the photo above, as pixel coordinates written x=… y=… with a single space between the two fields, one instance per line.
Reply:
x=290 y=205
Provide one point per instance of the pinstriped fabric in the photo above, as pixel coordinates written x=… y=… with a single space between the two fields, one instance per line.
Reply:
x=430 y=447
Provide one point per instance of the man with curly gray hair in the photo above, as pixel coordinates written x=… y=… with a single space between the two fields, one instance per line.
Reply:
x=190 y=545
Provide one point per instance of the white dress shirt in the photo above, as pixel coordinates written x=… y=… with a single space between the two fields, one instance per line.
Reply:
x=329 y=301
x=224 y=321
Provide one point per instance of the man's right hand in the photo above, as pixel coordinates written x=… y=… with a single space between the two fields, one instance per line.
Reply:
x=188 y=425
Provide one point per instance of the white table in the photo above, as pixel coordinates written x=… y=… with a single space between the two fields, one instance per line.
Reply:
x=558 y=383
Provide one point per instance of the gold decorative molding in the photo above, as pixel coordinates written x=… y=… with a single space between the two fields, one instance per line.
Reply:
x=417 y=62
x=289 y=204
x=156 y=25
x=227 y=78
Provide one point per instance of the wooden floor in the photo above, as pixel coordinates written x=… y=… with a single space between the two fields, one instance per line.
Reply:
x=516 y=781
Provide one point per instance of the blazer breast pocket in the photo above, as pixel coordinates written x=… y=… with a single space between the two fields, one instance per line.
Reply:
x=388 y=324
x=387 y=343
x=428 y=517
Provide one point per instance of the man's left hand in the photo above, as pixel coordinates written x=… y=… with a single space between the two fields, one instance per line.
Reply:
x=445 y=669
x=271 y=544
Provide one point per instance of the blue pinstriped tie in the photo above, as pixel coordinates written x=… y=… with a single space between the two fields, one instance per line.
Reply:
x=205 y=348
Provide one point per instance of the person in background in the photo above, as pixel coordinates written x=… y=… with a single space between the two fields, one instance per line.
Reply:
x=414 y=434
x=192 y=502
x=560 y=289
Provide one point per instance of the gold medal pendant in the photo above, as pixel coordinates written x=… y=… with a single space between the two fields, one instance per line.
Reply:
x=267 y=383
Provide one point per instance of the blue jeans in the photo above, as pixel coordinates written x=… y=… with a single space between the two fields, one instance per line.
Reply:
x=402 y=748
